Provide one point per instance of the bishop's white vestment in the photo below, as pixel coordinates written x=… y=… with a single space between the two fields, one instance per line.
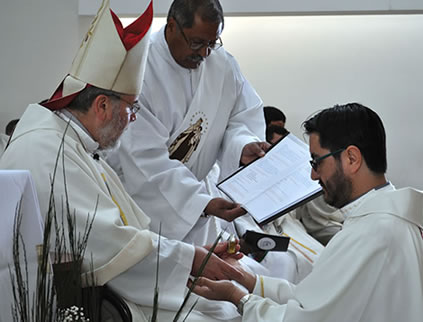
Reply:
x=123 y=250
x=372 y=270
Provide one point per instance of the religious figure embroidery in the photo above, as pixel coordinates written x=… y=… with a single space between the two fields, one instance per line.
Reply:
x=186 y=143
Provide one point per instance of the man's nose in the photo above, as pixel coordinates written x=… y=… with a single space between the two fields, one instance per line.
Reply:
x=132 y=117
x=205 y=51
x=314 y=175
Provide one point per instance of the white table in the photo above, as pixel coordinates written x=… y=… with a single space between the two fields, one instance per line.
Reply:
x=16 y=187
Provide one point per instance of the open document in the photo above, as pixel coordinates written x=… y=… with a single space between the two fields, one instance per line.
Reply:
x=274 y=184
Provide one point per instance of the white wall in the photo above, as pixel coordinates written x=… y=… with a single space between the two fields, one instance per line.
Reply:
x=267 y=7
x=302 y=64
x=298 y=63
x=38 y=40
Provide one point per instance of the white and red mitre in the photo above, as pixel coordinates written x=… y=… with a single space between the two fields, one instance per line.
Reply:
x=110 y=57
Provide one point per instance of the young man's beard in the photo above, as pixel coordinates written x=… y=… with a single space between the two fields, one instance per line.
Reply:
x=338 y=188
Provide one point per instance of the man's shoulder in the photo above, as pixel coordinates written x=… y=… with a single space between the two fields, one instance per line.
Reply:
x=35 y=118
x=223 y=60
x=34 y=136
x=405 y=203
x=37 y=137
x=223 y=55
x=381 y=221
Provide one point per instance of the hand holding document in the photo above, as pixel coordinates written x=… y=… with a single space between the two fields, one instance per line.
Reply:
x=274 y=184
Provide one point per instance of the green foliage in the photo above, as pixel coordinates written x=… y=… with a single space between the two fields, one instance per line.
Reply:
x=194 y=282
x=156 y=287
x=58 y=291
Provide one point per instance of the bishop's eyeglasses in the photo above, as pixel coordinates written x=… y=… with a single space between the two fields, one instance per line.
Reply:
x=316 y=162
x=133 y=107
x=196 y=45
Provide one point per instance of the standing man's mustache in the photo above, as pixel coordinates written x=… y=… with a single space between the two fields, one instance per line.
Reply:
x=196 y=58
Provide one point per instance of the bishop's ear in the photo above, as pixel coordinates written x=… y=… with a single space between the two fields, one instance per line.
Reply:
x=101 y=106
x=352 y=158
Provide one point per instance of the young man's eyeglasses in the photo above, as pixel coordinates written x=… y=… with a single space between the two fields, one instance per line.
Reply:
x=316 y=162
x=196 y=45
x=133 y=107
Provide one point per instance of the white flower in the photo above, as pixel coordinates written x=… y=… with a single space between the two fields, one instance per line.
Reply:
x=71 y=314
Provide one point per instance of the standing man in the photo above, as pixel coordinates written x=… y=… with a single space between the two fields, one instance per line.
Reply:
x=197 y=109
x=367 y=267
x=86 y=115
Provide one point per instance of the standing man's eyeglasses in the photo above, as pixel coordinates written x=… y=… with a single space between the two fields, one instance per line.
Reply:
x=196 y=45
x=133 y=107
x=316 y=162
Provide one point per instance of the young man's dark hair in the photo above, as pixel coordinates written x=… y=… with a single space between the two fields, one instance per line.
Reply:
x=351 y=124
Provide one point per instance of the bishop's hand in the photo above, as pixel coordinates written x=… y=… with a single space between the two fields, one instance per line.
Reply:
x=216 y=268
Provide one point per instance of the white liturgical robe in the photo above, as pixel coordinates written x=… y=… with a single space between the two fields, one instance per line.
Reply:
x=319 y=219
x=124 y=254
x=213 y=111
x=372 y=270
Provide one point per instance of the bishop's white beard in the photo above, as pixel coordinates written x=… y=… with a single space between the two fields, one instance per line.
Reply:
x=109 y=135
